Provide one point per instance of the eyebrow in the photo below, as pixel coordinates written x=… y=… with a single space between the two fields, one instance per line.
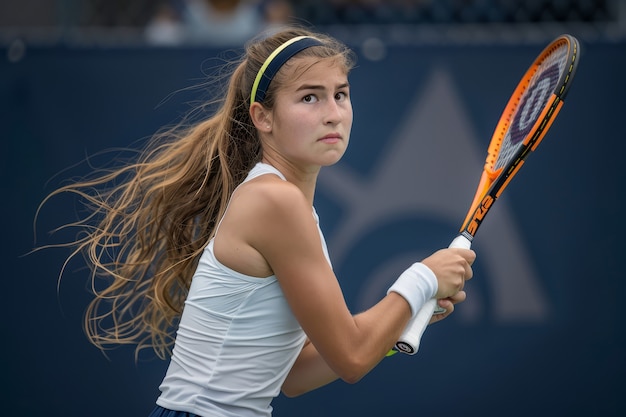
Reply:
x=320 y=87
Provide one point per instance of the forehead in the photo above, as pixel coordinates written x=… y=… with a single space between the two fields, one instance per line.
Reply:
x=311 y=69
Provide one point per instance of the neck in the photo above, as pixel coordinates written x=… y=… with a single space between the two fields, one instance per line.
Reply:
x=303 y=178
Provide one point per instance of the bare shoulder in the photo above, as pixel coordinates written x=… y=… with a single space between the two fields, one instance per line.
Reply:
x=265 y=215
x=271 y=196
x=279 y=221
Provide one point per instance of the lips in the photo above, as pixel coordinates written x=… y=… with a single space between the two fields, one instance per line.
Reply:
x=331 y=138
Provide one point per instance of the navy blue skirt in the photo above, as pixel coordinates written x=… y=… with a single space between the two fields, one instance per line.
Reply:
x=164 y=412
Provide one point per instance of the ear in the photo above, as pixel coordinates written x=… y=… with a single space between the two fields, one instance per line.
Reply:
x=261 y=117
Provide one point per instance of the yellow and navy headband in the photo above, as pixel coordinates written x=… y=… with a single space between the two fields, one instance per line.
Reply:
x=275 y=61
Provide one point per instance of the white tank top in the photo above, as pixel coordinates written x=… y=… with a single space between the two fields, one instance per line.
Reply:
x=236 y=341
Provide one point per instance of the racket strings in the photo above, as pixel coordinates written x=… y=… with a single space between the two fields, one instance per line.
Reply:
x=534 y=99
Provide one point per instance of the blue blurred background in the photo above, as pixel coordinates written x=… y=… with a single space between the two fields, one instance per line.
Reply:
x=542 y=331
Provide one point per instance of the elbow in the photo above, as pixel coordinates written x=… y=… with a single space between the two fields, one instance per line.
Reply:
x=301 y=387
x=295 y=387
x=353 y=370
x=291 y=393
x=352 y=378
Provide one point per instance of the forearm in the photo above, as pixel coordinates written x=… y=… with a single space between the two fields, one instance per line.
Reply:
x=382 y=326
x=352 y=356
x=309 y=372
x=350 y=345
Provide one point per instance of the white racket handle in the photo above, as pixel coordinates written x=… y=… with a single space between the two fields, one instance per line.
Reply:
x=409 y=341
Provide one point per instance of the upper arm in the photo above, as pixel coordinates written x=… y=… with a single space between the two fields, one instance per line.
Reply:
x=288 y=238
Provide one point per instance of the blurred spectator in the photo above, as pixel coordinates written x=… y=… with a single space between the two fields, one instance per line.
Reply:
x=165 y=27
x=276 y=13
x=231 y=22
x=221 y=21
x=218 y=22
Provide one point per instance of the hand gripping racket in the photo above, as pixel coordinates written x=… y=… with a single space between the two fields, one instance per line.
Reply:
x=527 y=117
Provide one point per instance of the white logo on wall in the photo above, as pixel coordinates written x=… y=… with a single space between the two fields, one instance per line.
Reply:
x=431 y=168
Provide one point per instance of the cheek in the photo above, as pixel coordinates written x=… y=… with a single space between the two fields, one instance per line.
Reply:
x=295 y=119
x=349 y=118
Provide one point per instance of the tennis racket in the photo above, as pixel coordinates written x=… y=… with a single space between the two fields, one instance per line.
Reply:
x=527 y=117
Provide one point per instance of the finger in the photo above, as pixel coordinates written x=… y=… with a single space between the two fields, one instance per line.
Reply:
x=467 y=254
x=458 y=297
x=472 y=257
x=438 y=317
x=446 y=303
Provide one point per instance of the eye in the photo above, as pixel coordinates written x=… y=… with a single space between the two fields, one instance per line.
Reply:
x=341 y=96
x=309 y=98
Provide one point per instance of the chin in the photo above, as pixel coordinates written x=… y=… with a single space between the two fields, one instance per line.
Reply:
x=330 y=161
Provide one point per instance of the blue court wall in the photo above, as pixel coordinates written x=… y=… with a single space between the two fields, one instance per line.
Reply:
x=543 y=329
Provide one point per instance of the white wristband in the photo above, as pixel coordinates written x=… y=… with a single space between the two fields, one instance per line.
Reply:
x=416 y=285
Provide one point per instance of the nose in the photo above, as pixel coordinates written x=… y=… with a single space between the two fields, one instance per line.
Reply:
x=333 y=114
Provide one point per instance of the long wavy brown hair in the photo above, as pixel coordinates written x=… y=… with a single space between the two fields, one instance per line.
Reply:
x=149 y=220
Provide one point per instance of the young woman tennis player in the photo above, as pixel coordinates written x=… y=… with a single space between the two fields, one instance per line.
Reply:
x=212 y=253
